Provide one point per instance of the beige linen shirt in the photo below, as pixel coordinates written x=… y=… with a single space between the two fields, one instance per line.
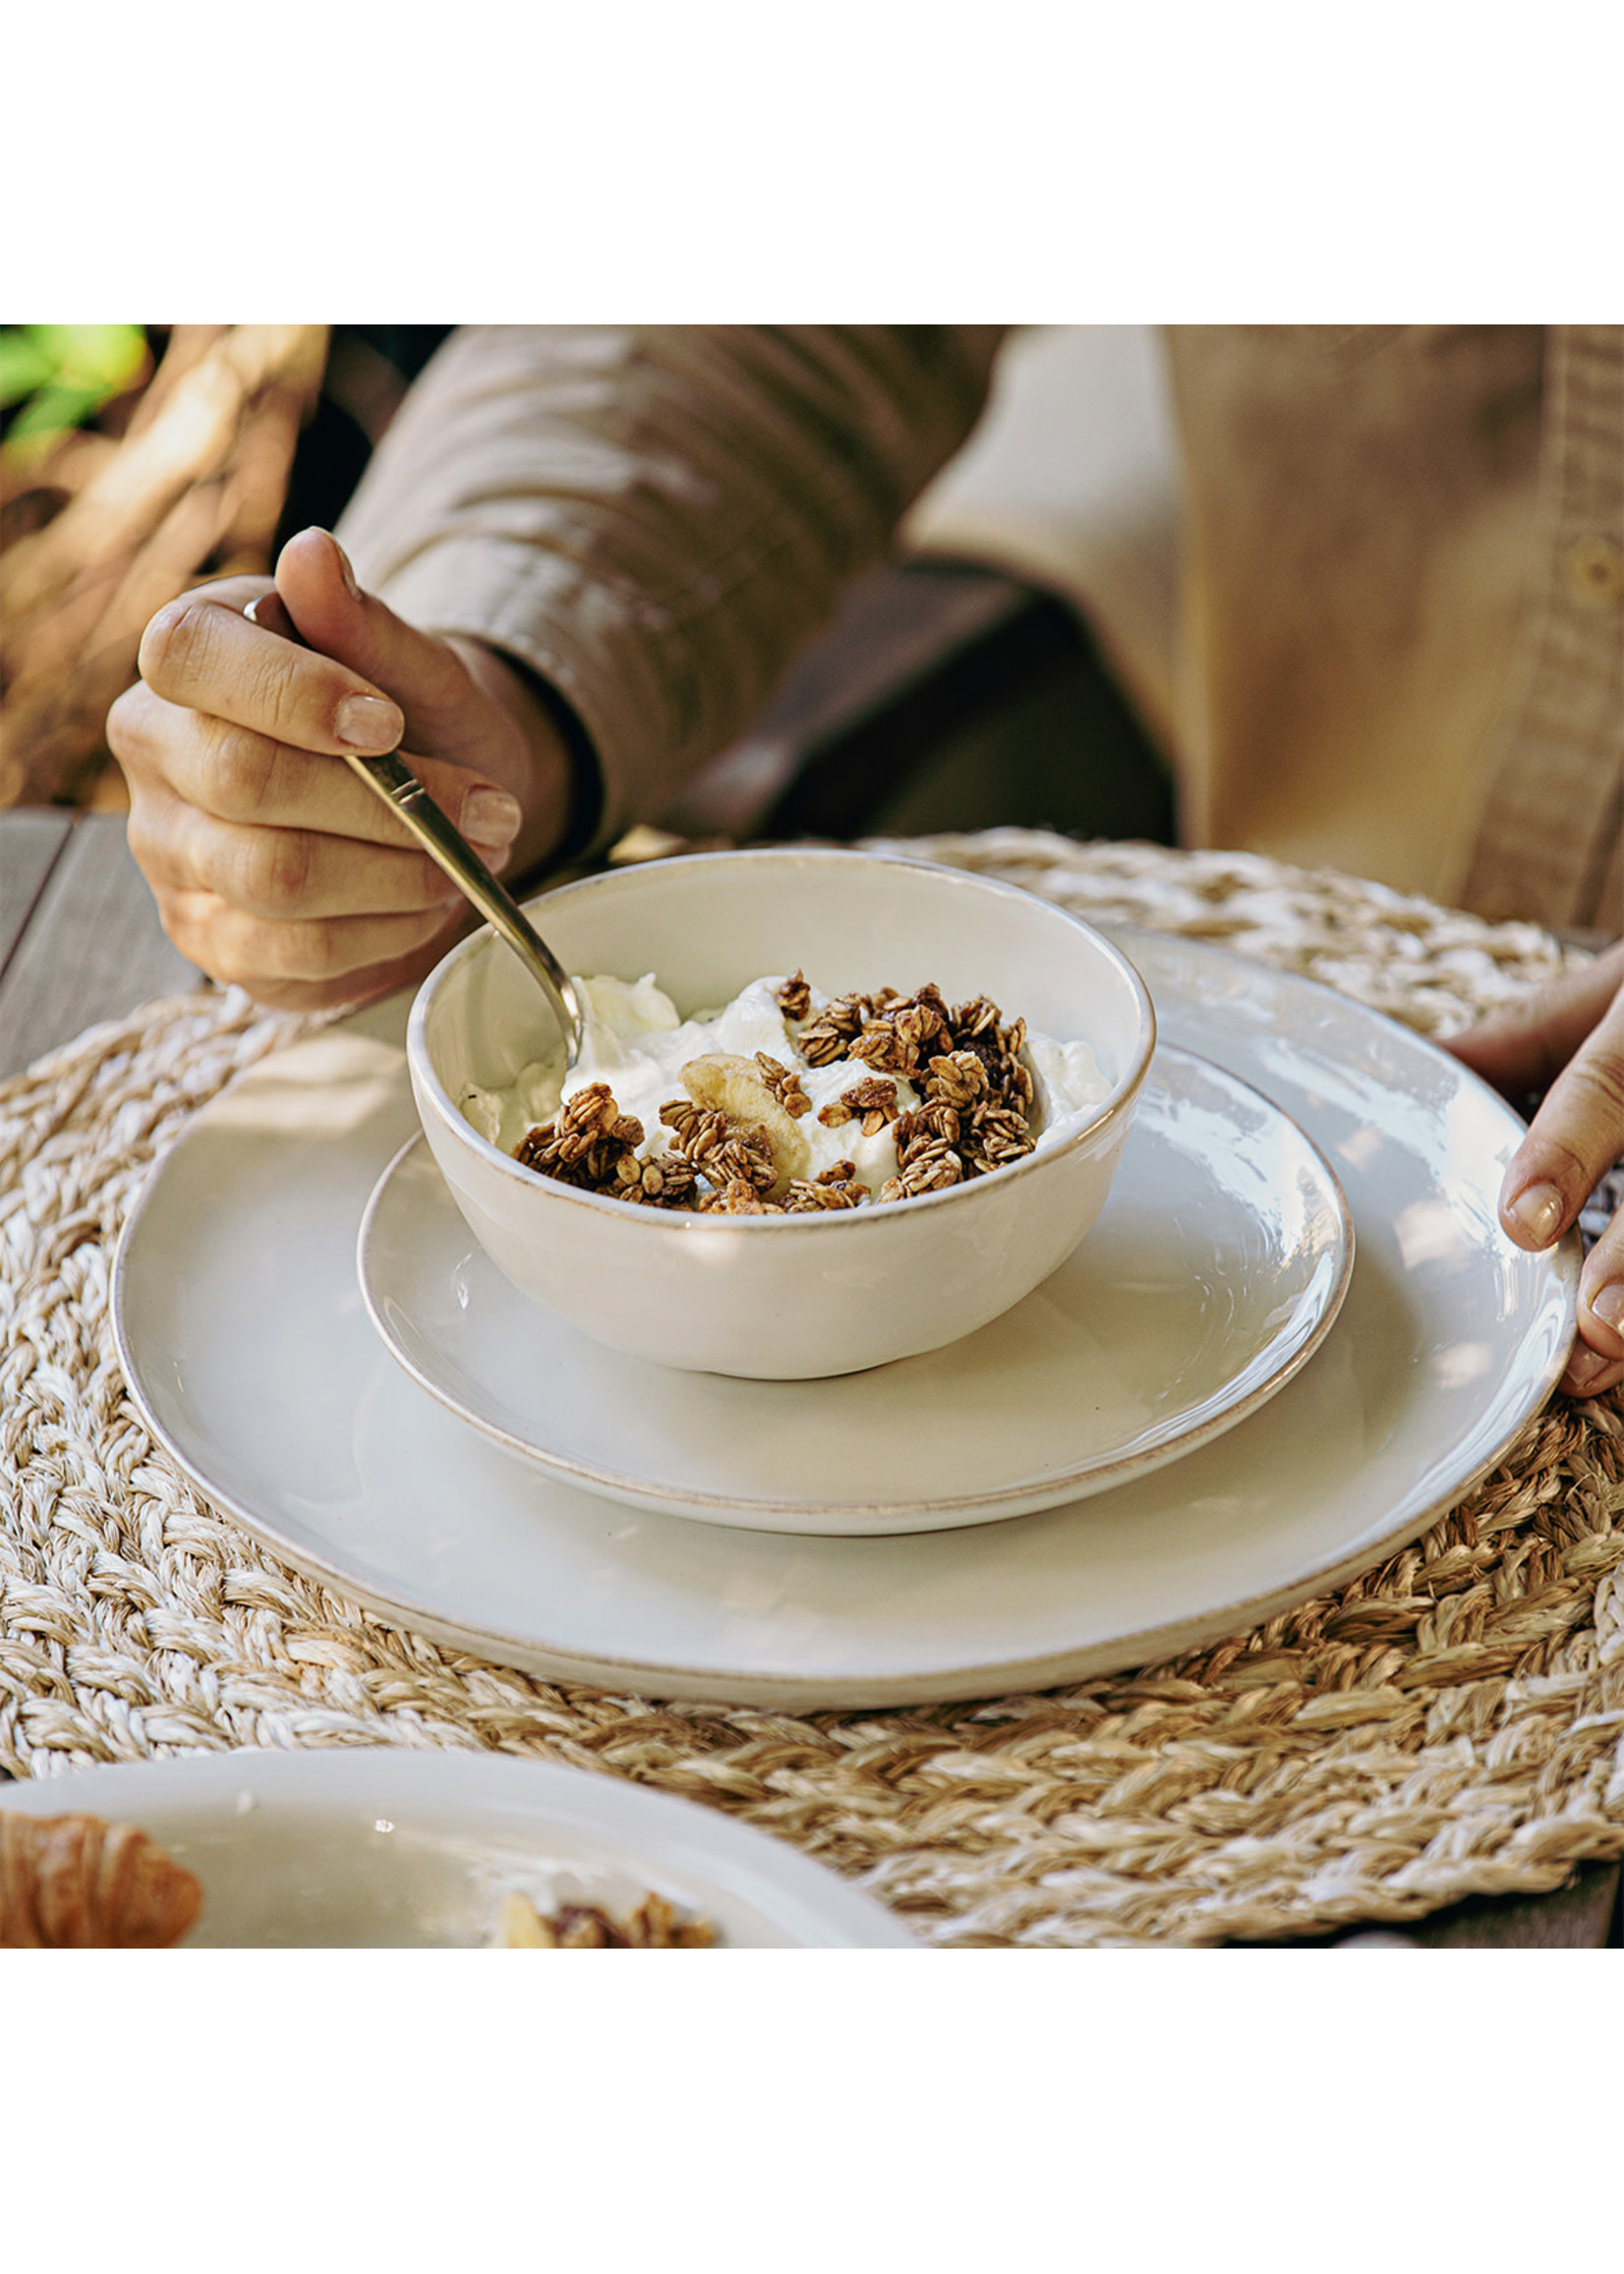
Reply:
x=1400 y=646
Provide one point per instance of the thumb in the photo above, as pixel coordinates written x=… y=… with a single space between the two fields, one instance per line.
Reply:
x=424 y=674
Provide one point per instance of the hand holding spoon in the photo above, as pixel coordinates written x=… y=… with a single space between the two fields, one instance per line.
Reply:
x=391 y=780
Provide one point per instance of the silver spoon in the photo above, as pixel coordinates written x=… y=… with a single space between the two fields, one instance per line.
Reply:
x=404 y=794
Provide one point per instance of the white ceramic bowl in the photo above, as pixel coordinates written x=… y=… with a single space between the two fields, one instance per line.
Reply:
x=783 y=1297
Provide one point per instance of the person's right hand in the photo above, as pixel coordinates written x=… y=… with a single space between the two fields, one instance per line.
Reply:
x=275 y=868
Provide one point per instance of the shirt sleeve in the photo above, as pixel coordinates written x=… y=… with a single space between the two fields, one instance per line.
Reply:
x=653 y=520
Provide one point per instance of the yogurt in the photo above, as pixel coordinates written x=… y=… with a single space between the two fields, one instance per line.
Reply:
x=636 y=1042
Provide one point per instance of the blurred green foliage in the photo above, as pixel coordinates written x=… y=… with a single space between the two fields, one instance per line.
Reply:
x=62 y=373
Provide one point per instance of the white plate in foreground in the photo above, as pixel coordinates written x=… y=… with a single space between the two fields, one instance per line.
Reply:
x=243 y=1335
x=1214 y=1273
x=377 y=1846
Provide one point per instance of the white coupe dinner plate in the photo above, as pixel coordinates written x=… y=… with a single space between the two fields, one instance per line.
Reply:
x=378 y=1847
x=1214 y=1273
x=248 y=1348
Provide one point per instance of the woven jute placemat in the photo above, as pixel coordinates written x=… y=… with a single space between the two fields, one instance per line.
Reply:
x=1452 y=1723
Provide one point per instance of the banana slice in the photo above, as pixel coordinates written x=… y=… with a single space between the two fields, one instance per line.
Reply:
x=520 y=1926
x=733 y=1087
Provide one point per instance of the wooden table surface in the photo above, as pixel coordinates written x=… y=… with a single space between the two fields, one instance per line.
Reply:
x=80 y=938
x=80 y=941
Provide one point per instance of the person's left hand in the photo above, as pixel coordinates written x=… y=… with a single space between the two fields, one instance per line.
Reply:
x=1567 y=1040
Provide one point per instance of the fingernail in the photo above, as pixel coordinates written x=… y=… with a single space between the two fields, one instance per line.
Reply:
x=1583 y=1367
x=1536 y=1212
x=368 y=722
x=348 y=573
x=1607 y=1304
x=491 y=816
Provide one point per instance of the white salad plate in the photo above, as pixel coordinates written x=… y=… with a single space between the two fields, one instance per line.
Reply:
x=378 y=1847
x=1213 y=1276
x=249 y=1351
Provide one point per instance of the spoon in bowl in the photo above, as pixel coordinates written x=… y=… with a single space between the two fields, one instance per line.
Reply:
x=400 y=789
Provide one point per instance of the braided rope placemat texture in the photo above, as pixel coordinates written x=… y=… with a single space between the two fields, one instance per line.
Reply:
x=1451 y=1724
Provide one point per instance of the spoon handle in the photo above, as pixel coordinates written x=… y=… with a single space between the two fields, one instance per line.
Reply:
x=400 y=789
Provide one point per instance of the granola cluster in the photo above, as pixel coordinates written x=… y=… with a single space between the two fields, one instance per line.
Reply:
x=976 y=1096
x=653 y=1926
x=735 y=1148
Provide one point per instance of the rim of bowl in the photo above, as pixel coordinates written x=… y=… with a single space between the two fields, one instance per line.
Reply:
x=692 y=1221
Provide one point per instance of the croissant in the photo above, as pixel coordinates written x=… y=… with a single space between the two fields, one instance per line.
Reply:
x=75 y=1883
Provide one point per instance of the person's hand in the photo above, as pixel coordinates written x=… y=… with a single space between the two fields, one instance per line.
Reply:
x=275 y=867
x=1569 y=1040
